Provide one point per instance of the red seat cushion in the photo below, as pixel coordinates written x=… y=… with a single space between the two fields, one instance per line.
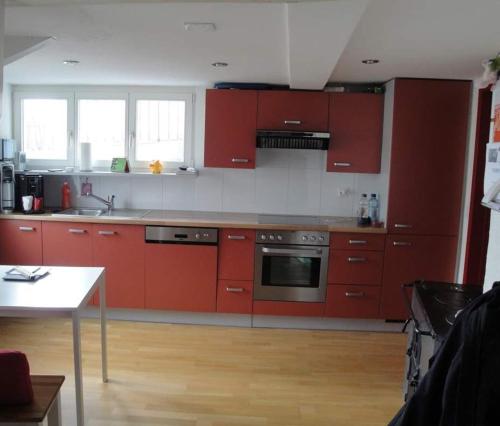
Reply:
x=15 y=381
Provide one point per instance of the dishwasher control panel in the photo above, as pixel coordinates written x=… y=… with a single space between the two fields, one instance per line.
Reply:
x=172 y=235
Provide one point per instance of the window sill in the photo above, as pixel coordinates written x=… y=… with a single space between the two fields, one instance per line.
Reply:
x=47 y=172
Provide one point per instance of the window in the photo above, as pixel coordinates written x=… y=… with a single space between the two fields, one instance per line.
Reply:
x=102 y=122
x=45 y=128
x=160 y=130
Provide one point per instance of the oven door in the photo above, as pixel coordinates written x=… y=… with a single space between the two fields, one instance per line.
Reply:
x=290 y=273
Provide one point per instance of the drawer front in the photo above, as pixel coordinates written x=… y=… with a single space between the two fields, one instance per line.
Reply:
x=352 y=301
x=67 y=244
x=355 y=267
x=236 y=254
x=21 y=242
x=234 y=297
x=341 y=241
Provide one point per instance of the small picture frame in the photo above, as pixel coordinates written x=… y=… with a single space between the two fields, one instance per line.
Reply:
x=119 y=165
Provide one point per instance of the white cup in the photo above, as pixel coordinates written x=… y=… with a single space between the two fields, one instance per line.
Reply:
x=27 y=203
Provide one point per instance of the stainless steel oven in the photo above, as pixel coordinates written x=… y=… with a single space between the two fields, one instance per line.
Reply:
x=291 y=266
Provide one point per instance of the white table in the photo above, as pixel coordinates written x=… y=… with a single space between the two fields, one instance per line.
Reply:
x=64 y=292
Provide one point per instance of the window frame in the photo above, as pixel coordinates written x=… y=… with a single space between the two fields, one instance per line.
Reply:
x=19 y=97
x=100 y=95
x=188 y=98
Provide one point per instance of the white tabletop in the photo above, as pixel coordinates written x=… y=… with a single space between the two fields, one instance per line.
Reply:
x=63 y=289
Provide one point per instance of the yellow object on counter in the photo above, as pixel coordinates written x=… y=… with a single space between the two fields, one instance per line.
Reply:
x=156 y=167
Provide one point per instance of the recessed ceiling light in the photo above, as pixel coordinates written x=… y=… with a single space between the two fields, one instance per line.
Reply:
x=201 y=27
x=370 y=61
x=220 y=64
x=71 y=62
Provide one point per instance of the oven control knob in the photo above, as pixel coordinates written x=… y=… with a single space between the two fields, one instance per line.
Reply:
x=263 y=237
x=205 y=235
x=197 y=236
x=279 y=237
x=313 y=238
x=271 y=237
x=305 y=238
x=321 y=238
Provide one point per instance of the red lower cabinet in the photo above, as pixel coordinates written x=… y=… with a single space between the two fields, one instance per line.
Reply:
x=234 y=297
x=181 y=277
x=301 y=309
x=20 y=242
x=355 y=267
x=67 y=244
x=120 y=249
x=352 y=301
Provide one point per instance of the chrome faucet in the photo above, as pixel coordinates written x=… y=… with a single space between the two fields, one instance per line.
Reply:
x=87 y=192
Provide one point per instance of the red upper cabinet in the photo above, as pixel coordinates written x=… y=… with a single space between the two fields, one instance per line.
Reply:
x=236 y=254
x=356 y=121
x=411 y=258
x=290 y=110
x=429 y=137
x=230 y=128
x=67 y=244
x=120 y=249
x=20 y=242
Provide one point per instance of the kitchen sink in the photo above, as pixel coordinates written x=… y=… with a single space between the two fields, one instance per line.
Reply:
x=80 y=212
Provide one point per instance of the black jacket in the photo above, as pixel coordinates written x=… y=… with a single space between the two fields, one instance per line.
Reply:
x=462 y=386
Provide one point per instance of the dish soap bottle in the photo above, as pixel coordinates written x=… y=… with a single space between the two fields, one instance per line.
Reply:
x=65 y=196
x=363 y=214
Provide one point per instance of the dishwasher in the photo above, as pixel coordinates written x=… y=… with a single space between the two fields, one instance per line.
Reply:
x=181 y=268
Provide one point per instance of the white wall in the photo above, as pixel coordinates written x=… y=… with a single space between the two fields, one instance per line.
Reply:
x=6 y=118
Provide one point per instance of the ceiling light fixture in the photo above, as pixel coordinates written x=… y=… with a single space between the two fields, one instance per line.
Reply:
x=200 y=27
x=370 y=61
x=71 y=62
x=220 y=64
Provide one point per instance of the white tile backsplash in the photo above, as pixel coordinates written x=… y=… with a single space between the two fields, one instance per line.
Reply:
x=284 y=182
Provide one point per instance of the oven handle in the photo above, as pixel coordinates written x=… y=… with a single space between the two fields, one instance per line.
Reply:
x=296 y=252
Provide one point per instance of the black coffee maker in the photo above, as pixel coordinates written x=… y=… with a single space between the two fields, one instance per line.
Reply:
x=27 y=184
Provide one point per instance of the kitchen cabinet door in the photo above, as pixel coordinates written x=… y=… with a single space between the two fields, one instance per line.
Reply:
x=356 y=241
x=355 y=267
x=430 y=127
x=290 y=110
x=67 y=244
x=20 y=242
x=234 y=297
x=356 y=121
x=230 y=128
x=181 y=277
x=120 y=249
x=236 y=254
x=352 y=301
x=409 y=258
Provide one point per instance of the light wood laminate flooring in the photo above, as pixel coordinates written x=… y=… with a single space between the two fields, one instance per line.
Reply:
x=188 y=375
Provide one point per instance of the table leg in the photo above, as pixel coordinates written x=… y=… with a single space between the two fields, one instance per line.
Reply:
x=54 y=414
x=77 y=354
x=104 y=341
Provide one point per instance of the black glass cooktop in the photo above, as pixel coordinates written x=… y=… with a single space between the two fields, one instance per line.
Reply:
x=442 y=302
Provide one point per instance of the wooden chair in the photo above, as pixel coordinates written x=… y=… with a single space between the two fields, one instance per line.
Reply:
x=46 y=405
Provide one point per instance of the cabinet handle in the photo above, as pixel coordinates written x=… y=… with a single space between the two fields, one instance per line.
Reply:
x=358 y=242
x=356 y=259
x=354 y=294
x=240 y=160
x=401 y=244
x=235 y=289
x=342 y=164
x=106 y=232
x=76 y=231
x=236 y=237
x=402 y=225
x=26 y=229
x=295 y=122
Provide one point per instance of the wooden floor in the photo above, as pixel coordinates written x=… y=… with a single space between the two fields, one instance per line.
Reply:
x=183 y=375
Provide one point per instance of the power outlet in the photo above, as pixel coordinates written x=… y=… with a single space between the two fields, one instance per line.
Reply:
x=343 y=192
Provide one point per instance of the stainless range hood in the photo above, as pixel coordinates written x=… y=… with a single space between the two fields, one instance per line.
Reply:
x=292 y=140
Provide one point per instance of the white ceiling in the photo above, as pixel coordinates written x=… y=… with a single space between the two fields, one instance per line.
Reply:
x=144 y=41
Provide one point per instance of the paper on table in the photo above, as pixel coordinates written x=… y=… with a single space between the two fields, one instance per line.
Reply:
x=22 y=273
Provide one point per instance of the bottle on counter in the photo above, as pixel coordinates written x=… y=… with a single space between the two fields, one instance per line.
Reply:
x=65 y=196
x=373 y=209
x=363 y=213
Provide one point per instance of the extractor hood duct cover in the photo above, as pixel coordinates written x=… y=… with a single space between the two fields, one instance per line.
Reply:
x=293 y=140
